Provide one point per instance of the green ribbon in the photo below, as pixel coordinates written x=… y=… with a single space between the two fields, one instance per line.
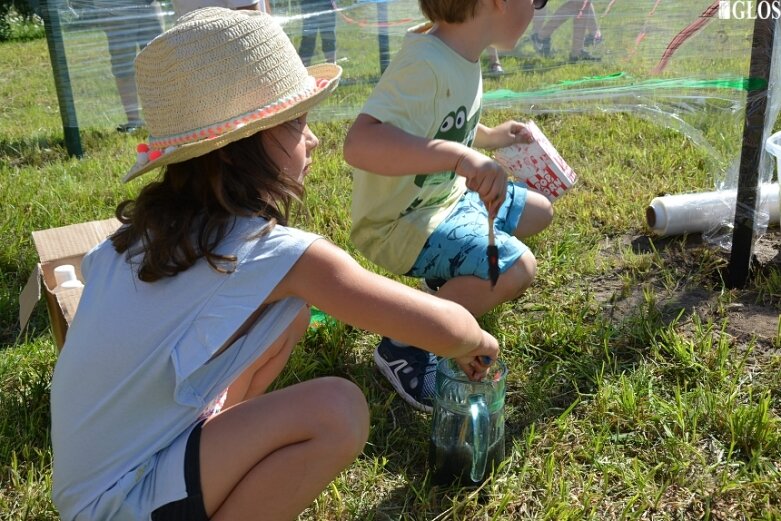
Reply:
x=739 y=84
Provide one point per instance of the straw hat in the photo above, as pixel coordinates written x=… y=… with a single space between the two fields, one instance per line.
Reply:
x=218 y=76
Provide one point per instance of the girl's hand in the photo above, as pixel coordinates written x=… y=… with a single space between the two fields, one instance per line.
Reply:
x=484 y=176
x=475 y=364
x=506 y=134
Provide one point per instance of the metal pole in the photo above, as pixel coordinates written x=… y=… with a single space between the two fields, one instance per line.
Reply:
x=751 y=151
x=62 y=83
x=382 y=34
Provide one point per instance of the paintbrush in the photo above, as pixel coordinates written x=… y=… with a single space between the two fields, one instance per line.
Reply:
x=493 y=254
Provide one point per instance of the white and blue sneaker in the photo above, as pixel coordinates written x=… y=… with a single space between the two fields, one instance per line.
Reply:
x=411 y=371
x=542 y=45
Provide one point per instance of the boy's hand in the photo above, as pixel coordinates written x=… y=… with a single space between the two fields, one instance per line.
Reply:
x=474 y=364
x=506 y=134
x=484 y=176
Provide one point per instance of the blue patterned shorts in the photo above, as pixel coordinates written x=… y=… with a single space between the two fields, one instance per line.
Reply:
x=457 y=247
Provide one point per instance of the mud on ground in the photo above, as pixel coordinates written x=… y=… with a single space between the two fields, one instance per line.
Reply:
x=750 y=314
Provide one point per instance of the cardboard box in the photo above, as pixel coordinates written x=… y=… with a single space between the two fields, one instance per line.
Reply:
x=538 y=164
x=58 y=246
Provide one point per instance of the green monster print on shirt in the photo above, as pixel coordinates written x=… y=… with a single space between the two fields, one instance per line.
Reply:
x=454 y=127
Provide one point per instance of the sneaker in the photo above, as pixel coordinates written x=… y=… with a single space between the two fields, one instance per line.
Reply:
x=592 y=40
x=431 y=286
x=541 y=45
x=584 y=56
x=494 y=70
x=411 y=371
x=130 y=127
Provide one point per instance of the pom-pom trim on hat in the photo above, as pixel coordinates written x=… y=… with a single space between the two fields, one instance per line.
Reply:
x=312 y=86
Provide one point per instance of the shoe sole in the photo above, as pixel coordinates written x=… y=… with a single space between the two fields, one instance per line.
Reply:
x=387 y=372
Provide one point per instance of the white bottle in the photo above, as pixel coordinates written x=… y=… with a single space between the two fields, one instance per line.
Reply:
x=65 y=276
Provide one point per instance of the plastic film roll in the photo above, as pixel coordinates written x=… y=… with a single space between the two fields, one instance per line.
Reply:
x=704 y=211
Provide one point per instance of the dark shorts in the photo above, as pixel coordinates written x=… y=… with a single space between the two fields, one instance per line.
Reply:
x=190 y=508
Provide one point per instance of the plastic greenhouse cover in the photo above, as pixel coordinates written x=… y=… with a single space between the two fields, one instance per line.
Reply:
x=680 y=64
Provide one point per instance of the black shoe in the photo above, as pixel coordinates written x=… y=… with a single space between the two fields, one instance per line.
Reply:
x=411 y=371
x=592 y=40
x=542 y=45
x=432 y=285
x=130 y=127
x=584 y=56
x=495 y=70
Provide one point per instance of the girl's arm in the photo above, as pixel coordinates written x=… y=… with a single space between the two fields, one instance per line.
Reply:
x=330 y=279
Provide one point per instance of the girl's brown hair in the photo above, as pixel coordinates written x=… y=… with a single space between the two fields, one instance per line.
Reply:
x=184 y=216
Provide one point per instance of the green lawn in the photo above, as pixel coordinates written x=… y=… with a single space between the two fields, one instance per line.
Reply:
x=635 y=391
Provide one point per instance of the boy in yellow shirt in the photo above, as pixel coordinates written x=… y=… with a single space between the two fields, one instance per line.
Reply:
x=422 y=196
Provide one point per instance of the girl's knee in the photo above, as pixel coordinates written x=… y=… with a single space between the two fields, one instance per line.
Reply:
x=347 y=412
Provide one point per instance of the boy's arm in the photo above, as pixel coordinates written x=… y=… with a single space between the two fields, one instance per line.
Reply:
x=503 y=135
x=384 y=149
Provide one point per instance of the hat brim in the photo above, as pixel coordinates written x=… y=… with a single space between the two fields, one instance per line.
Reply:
x=324 y=71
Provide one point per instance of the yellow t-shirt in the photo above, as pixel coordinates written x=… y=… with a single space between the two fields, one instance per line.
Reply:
x=427 y=90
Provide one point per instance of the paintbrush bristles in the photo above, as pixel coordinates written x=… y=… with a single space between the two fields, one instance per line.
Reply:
x=493 y=254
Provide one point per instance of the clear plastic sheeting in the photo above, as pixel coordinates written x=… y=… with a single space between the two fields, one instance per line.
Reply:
x=773 y=146
x=100 y=39
x=681 y=65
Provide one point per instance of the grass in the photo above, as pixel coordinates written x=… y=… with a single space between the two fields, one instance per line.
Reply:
x=622 y=402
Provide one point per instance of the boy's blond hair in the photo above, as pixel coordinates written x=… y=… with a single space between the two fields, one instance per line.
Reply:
x=449 y=11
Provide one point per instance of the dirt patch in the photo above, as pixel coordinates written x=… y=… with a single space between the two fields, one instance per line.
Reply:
x=686 y=280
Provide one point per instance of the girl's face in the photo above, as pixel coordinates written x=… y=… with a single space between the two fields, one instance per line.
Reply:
x=290 y=146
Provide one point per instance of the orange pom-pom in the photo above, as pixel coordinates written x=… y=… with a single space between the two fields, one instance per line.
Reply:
x=154 y=154
x=142 y=147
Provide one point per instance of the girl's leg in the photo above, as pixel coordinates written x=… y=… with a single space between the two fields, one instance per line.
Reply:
x=256 y=378
x=538 y=22
x=566 y=11
x=494 y=65
x=271 y=456
x=584 y=19
x=306 y=49
x=592 y=26
x=328 y=36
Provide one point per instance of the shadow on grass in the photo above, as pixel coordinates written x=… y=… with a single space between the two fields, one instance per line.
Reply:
x=34 y=150
x=40 y=149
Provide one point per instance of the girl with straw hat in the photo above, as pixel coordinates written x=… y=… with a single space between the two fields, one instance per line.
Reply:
x=205 y=287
